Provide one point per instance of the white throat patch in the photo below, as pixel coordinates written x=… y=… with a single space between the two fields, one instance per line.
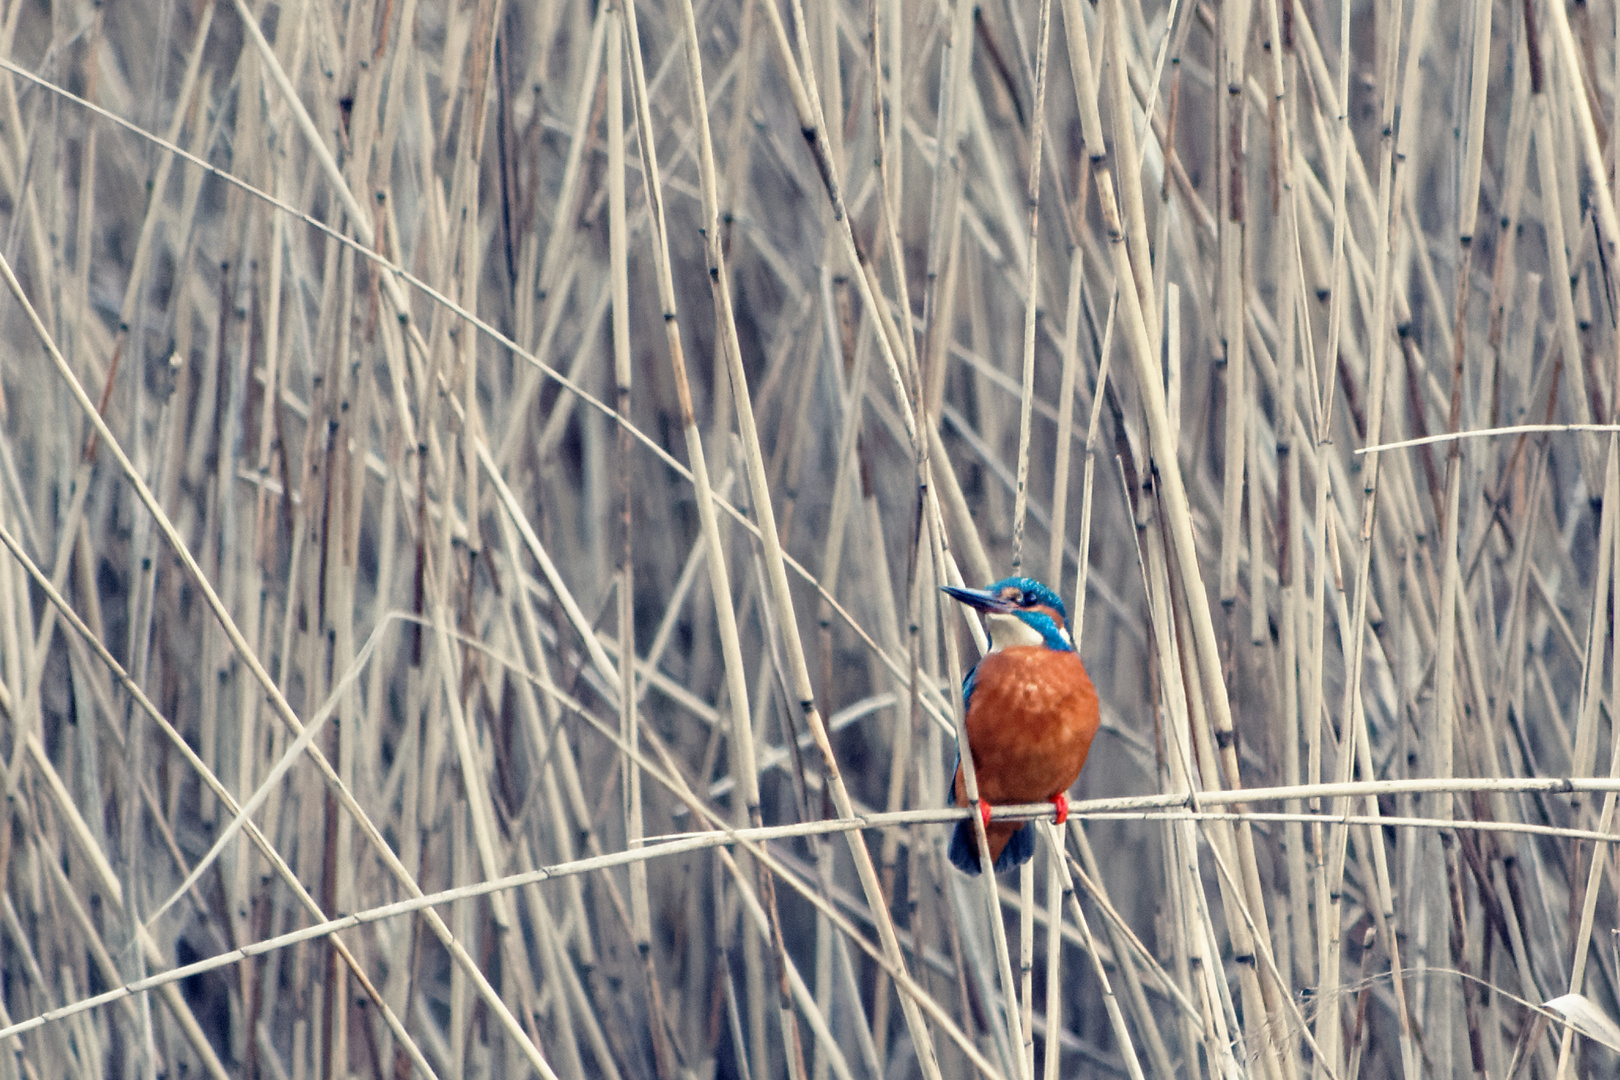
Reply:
x=1009 y=630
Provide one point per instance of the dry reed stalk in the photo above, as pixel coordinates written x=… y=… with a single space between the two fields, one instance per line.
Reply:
x=202 y=770
x=238 y=643
x=746 y=836
x=742 y=744
x=1026 y=395
x=1583 y=937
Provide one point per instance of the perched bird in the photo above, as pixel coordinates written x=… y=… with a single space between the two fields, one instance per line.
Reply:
x=1031 y=715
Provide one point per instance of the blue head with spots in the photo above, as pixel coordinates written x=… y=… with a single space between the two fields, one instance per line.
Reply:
x=1026 y=600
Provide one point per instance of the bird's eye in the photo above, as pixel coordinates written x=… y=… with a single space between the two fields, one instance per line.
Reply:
x=1028 y=598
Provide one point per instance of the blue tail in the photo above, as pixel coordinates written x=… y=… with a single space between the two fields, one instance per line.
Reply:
x=964 y=849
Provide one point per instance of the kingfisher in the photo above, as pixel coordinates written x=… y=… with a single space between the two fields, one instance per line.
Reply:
x=1031 y=716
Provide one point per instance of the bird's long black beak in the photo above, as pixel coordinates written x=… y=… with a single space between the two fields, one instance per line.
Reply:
x=983 y=599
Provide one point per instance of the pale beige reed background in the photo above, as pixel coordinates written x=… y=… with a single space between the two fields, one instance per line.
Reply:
x=456 y=447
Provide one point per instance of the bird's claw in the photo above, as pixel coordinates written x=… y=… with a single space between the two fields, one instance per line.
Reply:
x=1061 y=802
x=984 y=813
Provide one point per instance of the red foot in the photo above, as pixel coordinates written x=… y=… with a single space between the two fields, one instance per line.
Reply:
x=984 y=812
x=1061 y=801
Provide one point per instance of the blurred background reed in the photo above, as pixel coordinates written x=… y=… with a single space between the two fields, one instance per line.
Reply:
x=483 y=439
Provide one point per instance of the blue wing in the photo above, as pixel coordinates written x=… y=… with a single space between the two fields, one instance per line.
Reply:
x=963 y=850
x=962 y=853
x=967 y=696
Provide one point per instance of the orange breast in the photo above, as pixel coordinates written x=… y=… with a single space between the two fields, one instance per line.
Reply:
x=1030 y=724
